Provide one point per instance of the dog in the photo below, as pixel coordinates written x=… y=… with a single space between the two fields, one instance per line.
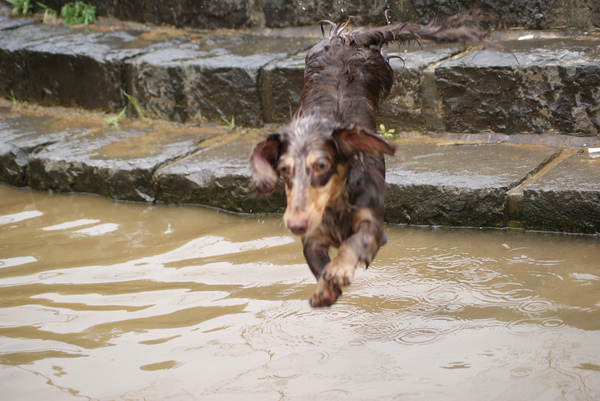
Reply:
x=330 y=156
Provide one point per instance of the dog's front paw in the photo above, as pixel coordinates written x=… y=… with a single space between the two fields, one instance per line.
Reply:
x=325 y=295
x=339 y=272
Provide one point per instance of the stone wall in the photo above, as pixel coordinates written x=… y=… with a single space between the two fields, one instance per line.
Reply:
x=210 y=14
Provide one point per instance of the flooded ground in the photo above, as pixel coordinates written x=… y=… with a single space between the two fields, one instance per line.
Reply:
x=103 y=300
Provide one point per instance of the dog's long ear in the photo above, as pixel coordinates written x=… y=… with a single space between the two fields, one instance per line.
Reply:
x=350 y=142
x=262 y=164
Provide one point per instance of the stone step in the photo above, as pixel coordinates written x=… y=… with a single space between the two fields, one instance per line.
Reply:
x=498 y=181
x=522 y=82
x=531 y=14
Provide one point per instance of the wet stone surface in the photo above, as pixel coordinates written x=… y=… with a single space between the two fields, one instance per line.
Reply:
x=457 y=185
x=567 y=198
x=281 y=13
x=532 y=14
x=544 y=86
x=56 y=65
x=14 y=57
x=442 y=180
x=280 y=87
x=205 y=14
x=218 y=177
x=118 y=164
x=409 y=105
x=7 y=23
x=209 y=14
x=20 y=136
x=215 y=76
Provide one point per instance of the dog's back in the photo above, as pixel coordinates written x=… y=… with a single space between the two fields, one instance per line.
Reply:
x=345 y=81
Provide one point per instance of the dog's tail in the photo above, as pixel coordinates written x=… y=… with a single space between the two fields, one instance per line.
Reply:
x=463 y=28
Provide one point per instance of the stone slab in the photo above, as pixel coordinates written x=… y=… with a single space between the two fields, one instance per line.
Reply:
x=14 y=57
x=218 y=177
x=463 y=185
x=545 y=85
x=438 y=181
x=204 y=14
x=567 y=198
x=530 y=14
x=212 y=77
x=208 y=14
x=7 y=23
x=281 y=83
x=56 y=65
x=408 y=107
x=281 y=13
x=116 y=163
x=21 y=136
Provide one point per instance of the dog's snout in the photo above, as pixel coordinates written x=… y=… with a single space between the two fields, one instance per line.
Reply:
x=297 y=221
x=298 y=224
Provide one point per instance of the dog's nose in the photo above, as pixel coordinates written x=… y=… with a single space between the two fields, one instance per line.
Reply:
x=298 y=225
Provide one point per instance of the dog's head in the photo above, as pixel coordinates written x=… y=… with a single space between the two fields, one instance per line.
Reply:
x=311 y=156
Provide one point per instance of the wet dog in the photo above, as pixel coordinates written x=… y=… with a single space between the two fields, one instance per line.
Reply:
x=330 y=156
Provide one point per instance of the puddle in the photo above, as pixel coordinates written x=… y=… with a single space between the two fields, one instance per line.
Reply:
x=118 y=301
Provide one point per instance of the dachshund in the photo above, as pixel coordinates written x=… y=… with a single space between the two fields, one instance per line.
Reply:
x=330 y=156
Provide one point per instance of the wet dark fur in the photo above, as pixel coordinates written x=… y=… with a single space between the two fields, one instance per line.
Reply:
x=330 y=157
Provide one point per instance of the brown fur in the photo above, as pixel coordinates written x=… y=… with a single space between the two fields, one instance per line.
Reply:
x=329 y=155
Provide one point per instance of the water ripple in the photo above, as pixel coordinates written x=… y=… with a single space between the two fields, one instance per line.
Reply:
x=419 y=336
x=284 y=325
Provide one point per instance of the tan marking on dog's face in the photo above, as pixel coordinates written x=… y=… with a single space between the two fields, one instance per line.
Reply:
x=285 y=168
x=311 y=184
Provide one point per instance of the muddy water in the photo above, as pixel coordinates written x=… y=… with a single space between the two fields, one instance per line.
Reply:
x=113 y=301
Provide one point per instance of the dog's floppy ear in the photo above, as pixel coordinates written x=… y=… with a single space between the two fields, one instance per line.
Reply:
x=262 y=164
x=350 y=142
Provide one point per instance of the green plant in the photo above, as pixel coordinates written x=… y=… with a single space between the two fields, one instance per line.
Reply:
x=48 y=12
x=230 y=123
x=386 y=132
x=15 y=101
x=137 y=107
x=78 y=12
x=13 y=98
x=22 y=8
x=114 y=120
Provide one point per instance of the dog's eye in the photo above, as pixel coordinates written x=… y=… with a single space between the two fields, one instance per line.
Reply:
x=284 y=170
x=322 y=166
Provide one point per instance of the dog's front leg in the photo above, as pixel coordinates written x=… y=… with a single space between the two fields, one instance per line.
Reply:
x=316 y=253
x=361 y=246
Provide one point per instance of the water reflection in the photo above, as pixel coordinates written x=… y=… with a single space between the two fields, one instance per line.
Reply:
x=115 y=301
